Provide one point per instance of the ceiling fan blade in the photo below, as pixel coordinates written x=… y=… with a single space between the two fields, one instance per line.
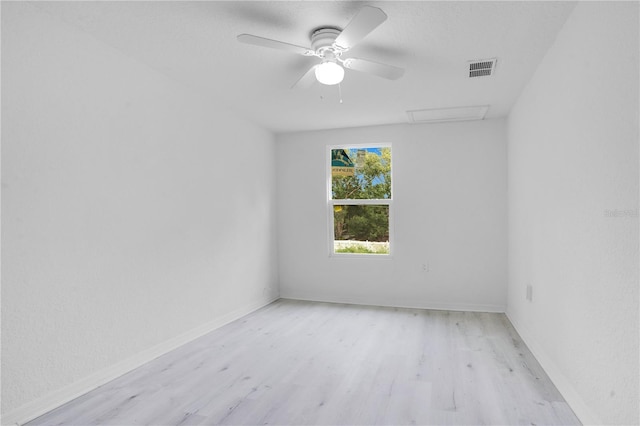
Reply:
x=366 y=20
x=274 y=44
x=307 y=79
x=381 y=70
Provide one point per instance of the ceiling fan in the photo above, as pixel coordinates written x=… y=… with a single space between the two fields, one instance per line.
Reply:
x=329 y=44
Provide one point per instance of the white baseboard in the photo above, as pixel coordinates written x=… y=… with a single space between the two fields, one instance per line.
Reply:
x=55 y=399
x=462 y=307
x=575 y=401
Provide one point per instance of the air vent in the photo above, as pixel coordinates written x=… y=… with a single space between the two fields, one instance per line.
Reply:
x=482 y=68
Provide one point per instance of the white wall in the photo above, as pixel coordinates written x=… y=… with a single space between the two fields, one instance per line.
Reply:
x=135 y=212
x=573 y=156
x=449 y=183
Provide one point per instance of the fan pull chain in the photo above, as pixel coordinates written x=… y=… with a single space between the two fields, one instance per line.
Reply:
x=340 y=92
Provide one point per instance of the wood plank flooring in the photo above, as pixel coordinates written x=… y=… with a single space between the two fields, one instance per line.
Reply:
x=307 y=363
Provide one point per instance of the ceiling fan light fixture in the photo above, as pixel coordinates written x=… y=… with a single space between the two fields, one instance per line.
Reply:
x=329 y=73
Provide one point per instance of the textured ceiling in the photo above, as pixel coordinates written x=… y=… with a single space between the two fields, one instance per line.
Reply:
x=195 y=43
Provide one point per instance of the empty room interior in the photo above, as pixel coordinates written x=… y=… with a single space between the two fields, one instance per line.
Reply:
x=320 y=213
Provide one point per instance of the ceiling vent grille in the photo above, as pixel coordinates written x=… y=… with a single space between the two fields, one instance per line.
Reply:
x=482 y=68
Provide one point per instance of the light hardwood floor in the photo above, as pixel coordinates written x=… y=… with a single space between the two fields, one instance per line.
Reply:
x=307 y=363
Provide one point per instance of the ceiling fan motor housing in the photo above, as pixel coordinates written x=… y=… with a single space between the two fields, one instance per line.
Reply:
x=322 y=39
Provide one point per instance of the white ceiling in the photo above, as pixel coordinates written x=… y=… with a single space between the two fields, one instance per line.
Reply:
x=194 y=42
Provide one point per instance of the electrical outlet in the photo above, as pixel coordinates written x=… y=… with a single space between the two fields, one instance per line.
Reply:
x=529 y=292
x=425 y=267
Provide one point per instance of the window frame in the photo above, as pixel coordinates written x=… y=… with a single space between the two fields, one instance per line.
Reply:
x=331 y=203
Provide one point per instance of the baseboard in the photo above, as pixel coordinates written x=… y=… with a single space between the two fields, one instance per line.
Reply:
x=461 y=307
x=55 y=399
x=575 y=401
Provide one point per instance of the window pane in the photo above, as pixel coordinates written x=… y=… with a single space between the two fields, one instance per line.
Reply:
x=361 y=229
x=363 y=173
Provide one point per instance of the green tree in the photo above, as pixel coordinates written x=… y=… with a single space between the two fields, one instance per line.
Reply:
x=372 y=180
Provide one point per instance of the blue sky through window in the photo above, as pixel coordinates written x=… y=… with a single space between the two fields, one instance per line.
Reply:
x=352 y=153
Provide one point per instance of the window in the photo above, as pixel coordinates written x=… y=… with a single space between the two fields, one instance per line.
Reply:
x=359 y=199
